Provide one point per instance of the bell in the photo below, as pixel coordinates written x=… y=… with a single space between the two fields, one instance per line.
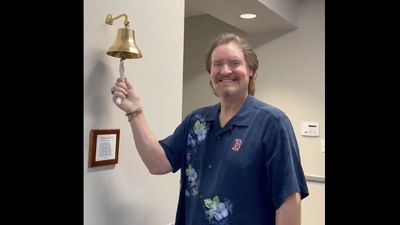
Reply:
x=124 y=46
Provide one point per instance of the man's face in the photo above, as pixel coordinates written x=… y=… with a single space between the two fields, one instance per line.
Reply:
x=229 y=72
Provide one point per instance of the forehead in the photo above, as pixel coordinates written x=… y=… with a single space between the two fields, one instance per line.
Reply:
x=229 y=50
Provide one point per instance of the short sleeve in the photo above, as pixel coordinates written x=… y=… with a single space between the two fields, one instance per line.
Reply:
x=175 y=145
x=284 y=171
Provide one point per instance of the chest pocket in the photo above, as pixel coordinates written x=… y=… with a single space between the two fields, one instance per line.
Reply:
x=243 y=150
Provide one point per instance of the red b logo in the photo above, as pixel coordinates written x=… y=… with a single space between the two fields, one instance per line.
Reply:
x=237 y=144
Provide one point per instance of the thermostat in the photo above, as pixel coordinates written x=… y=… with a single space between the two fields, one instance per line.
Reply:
x=310 y=129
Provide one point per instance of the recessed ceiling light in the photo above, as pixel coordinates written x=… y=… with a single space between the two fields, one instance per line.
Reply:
x=248 y=15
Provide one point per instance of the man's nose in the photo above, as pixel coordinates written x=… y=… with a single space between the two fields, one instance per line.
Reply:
x=226 y=69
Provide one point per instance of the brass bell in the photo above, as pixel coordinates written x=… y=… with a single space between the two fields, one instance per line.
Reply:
x=124 y=46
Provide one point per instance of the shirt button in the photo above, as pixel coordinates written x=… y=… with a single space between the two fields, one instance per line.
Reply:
x=218 y=137
x=201 y=196
x=209 y=166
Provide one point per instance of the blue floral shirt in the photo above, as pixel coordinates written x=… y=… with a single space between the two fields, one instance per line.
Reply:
x=238 y=174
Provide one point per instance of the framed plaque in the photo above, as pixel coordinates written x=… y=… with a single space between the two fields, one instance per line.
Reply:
x=104 y=147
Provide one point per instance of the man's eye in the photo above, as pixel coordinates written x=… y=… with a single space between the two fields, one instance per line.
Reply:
x=235 y=63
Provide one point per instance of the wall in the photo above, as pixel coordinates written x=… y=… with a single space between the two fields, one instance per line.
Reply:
x=291 y=76
x=126 y=193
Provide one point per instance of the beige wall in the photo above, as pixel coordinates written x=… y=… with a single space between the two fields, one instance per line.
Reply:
x=126 y=193
x=291 y=76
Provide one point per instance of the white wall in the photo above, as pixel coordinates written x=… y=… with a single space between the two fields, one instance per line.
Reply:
x=126 y=193
x=291 y=76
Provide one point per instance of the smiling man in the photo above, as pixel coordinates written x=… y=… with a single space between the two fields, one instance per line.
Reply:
x=239 y=159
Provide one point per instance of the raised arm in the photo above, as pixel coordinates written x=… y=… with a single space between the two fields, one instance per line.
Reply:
x=146 y=143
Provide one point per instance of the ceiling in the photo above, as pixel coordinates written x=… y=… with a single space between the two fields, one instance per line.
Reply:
x=191 y=11
x=270 y=17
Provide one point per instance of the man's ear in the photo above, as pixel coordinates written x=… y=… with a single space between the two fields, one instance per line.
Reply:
x=251 y=73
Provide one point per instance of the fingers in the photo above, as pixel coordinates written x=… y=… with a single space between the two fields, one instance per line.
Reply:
x=123 y=88
x=119 y=91
x=121 y=83
x=118 y=96
x=125 y=91
x=125 y=81
x=120 y=86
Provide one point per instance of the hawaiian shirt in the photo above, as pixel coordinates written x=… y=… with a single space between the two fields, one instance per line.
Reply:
x=238 y=174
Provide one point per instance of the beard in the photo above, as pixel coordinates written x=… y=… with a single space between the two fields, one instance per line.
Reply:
x=227 y=91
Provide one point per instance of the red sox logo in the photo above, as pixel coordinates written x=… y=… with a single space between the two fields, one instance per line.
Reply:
x=237 y=144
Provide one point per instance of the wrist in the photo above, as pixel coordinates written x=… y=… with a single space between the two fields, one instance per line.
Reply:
x=134 y=113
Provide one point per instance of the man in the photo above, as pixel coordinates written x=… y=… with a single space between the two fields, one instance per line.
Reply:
x=239 y=159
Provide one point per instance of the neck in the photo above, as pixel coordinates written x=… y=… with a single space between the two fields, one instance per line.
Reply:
x=229 y=107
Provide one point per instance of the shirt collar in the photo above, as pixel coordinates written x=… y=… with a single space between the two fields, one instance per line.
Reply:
x=212 y=115
x=242 y=118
